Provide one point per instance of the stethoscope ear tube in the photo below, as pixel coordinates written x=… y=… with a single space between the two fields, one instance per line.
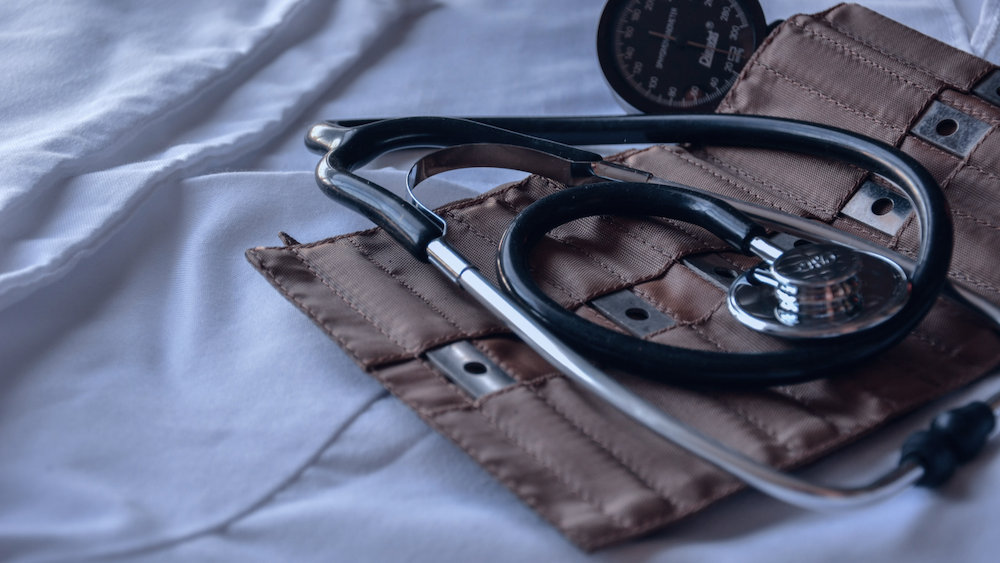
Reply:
x=358 y=142
x=349 y=146
x=401 y=220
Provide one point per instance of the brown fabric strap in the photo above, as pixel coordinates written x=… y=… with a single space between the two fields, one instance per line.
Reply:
x=595 y=475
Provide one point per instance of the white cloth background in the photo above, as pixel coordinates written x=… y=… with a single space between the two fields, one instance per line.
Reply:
x=159 y=401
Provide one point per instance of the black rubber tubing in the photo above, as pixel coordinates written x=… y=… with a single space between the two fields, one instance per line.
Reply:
x=803 y=362
x=371 y=138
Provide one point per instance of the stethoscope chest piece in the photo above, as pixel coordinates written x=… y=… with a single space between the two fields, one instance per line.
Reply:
x=819 y=291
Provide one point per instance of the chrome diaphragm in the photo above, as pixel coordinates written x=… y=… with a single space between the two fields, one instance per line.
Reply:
x=818 y=291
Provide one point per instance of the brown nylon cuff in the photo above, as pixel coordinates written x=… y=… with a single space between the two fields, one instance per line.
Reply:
x=595 y=475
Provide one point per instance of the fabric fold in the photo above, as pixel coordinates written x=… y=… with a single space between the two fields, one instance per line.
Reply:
x=205 y=105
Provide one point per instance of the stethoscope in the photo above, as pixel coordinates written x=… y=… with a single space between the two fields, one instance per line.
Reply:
x=820 y=290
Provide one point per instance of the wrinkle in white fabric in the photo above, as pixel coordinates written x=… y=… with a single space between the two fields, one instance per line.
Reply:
x=156 y=392
x=984 y=42
x=64 y=211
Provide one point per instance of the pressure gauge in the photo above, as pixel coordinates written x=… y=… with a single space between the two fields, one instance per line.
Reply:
x=677 y=56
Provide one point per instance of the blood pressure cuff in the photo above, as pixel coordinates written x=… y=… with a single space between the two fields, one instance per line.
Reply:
x=592 y=473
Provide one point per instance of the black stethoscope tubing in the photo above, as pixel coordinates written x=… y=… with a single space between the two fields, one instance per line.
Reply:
x=681 y=365
x=801 y=362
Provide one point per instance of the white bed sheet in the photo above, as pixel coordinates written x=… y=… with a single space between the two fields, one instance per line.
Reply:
x=159 y=401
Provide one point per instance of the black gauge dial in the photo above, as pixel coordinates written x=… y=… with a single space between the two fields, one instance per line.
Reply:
x=669 y=56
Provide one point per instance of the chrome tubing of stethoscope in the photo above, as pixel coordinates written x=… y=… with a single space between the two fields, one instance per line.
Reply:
x=768 y=480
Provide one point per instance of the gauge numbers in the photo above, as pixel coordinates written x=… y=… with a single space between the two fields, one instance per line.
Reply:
x=677 y=55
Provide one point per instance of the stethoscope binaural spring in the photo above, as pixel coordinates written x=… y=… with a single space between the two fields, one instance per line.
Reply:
x=420 y=231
